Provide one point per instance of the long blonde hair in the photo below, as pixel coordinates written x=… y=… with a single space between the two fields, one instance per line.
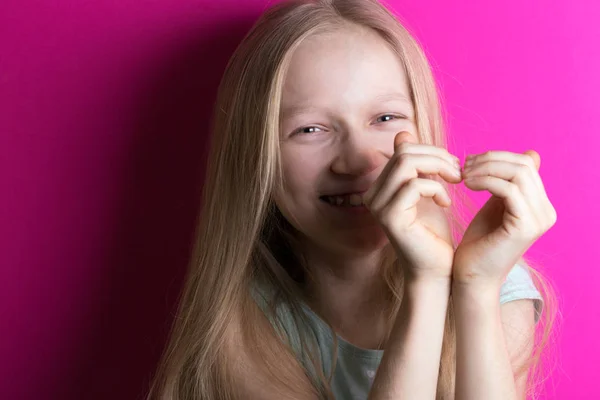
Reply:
x=241 y=236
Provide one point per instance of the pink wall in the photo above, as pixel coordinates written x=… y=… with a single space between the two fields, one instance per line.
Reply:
x=103 y=114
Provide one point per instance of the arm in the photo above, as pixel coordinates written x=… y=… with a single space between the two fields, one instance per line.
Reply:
x=411 y=361
x=492 y=342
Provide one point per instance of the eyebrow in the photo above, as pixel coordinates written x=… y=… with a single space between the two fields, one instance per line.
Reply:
x=393 y=96
x=288 y=112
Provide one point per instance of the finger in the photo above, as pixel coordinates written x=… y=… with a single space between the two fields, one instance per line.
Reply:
x=536 y=158
x=407 y=197
x=519 y=174
x=524 y=178
x=506 y=156
x=513 y=198
x=405 y=142
x=523 y=159
x=403 y=137
x=401 y=142
x=407 y=167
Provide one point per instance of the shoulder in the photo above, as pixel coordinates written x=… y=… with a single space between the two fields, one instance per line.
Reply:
x=519 y=285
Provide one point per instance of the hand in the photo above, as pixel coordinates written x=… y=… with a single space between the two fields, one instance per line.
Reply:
x=407 y=205
x=516 y=215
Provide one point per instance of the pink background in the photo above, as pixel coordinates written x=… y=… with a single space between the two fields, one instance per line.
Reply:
x=104 y=107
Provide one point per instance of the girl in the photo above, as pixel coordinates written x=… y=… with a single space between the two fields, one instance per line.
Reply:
x=330 y=261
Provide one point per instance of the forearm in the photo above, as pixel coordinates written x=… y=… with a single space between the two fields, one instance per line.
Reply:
x=410 y=365
x=483 y=369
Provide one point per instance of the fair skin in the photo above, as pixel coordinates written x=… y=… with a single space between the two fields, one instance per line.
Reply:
x=345 y=100
x=347 y=147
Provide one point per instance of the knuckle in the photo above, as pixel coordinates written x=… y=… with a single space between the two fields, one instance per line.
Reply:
x=529 y=163
x=513 y=190
x=402 y=148
x=439 y=187
x=481 y=167
x=553 y=216
x=402 y=158
x=523 y=169
x=413 y=184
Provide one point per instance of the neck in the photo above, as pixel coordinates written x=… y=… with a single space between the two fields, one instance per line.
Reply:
x=350 y=293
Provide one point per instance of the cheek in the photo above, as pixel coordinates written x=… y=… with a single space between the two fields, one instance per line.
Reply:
x=299 y=198
x=300 y=182
x=301 y=177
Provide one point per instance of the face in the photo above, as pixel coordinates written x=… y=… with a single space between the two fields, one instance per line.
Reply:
x=345 y=97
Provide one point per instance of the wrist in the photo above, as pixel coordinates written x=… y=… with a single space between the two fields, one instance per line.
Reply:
x=413 y=279
x=480 y=292
x=425 y=287
x=475 y=278
x=423 y=298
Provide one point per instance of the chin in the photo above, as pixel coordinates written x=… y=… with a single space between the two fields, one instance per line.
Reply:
x=360 y=244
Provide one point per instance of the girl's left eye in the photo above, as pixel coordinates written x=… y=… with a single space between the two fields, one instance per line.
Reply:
x=388 y=117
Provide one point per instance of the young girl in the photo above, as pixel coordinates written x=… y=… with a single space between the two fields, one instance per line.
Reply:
x=330 y=261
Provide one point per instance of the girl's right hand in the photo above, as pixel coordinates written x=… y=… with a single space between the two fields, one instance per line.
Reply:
x=407 y=205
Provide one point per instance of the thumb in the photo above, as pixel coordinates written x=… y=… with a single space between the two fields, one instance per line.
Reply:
x=536 y=157
x=402 y=137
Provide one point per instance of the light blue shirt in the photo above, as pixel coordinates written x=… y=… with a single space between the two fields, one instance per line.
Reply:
x=356 y=367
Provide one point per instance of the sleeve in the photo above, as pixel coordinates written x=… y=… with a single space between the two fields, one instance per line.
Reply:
x=519 y=285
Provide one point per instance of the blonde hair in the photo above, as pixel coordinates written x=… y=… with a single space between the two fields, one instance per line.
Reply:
x=241 y=236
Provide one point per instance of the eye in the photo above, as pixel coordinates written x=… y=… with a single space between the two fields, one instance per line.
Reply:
x=389 y=117
x=307 y=130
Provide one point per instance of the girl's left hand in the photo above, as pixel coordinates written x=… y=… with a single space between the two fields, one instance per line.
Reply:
x=516 y=215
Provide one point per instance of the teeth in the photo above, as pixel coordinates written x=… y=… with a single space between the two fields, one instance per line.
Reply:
x=352 y=200
x=355 y=200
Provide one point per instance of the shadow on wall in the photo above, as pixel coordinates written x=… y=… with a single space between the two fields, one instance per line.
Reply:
x=160 y=199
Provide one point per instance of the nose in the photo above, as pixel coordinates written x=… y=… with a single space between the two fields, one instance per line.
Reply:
x=356 y=156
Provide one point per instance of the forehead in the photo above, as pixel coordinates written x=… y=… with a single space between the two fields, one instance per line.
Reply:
x=343 y=66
